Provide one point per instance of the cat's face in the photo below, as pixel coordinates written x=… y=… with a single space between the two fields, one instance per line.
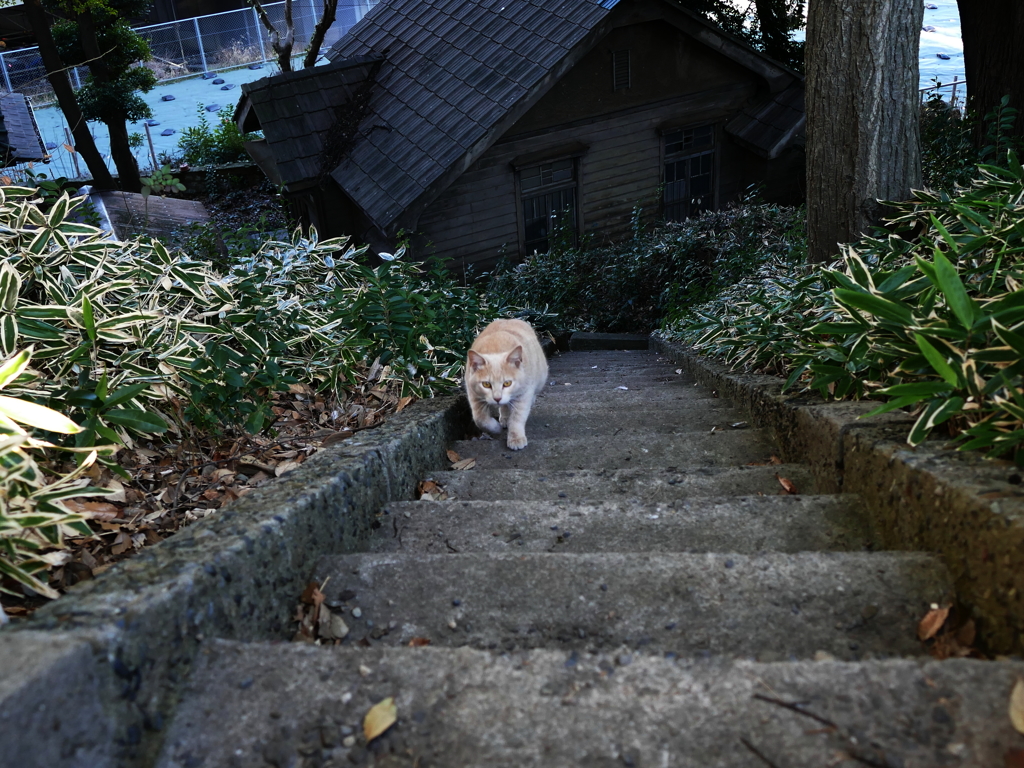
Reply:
x=495 y=377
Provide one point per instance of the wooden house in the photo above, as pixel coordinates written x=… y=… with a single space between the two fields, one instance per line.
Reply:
x=475 y=126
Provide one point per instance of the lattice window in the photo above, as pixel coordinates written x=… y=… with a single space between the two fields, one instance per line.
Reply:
x=549 y=196
x=689 y=186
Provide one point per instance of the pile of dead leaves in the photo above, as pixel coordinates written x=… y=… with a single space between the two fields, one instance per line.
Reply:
x=944 y=636
x=316 y=622
x=175 y=483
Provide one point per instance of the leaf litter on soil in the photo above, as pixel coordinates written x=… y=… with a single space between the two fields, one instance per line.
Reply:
x=172 y=484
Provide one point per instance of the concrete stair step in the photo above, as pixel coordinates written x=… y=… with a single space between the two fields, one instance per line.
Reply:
x=583 y=371
x=745 y=524
x=560 y=418
x=612 y=357
x=295 y=704
x=656 y=397
x=787 y=605
x=608 y=341
x=627 y=449
x=661 y=385
x=664 y=485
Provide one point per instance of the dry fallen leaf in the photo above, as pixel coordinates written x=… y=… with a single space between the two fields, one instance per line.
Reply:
x=775 y=459
x=932 y=623
x=464 y=464
x=786 y=483
x=285 y=466
x=453 y=456
x=95 y=510
x=312 y=595
x=1015 y=758
x=1017 y=705
x=381 y=716
x=330 y=625
x=418 y=642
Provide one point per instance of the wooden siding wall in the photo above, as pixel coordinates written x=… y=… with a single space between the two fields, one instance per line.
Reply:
x=677 y=83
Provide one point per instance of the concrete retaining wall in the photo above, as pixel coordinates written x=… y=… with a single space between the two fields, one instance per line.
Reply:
x=91 y=679
x=930 y=498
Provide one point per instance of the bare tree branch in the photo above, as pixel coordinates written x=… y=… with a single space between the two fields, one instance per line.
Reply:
x=326 y=20
x=282 y=46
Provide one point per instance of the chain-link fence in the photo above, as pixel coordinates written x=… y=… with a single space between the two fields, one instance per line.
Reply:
x=956 y=96
x=202 y=44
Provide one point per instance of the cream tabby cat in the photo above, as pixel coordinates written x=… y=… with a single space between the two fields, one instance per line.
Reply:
x=505 y=369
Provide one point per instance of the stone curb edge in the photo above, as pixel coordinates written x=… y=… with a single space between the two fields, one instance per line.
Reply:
x=968 y=510
x=92 y=678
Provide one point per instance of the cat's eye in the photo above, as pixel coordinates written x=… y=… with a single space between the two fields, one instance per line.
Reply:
x=507 y=383
x=486 y=384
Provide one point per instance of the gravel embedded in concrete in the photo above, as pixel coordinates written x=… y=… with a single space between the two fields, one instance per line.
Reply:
x=793 y=604
x=536 y=709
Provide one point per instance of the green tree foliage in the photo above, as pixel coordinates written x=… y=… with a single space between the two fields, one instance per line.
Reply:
x=97 y=34
x=767 y=25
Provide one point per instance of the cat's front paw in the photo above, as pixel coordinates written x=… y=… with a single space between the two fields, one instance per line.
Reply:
x=516 y=441
x=490 y=424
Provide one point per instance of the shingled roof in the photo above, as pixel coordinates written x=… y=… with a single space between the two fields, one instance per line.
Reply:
x=22 y=132
x=448 y=78
x=769 y=126
x=454 y=70
x=295 y=106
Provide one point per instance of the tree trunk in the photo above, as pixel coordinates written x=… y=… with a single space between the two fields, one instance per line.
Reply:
x=120 y=151
x=282 y=45
x=863 y=137
x=57 y=74
x=325 y=22
x=121 y=154
x=993 y=35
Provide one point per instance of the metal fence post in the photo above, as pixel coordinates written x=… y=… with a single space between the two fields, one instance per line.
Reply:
x=7 y=75
x=259 y=35
x=199 y=42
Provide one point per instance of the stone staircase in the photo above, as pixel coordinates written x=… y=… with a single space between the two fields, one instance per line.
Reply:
x=635 y=588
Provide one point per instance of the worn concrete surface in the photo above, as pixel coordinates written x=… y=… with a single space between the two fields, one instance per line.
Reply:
x=733 y=524
x=966 y=508
x=628 y=485
x=847 y=604
x=628 y=448
x=581 y=418
x=130 y=640
x=235 y=574
x=608 y=341
x=551 y=709
x=50 y=713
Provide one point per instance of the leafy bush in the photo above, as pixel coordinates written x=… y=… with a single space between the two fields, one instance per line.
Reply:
x=203 y=144
x=929 y=316
x=949 y=158
x=633 y=285
x=32 y=518
x=132 y=338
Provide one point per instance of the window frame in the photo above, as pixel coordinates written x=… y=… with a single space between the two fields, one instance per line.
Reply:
x=573 y=154
x=618 y=57
x=665 y=158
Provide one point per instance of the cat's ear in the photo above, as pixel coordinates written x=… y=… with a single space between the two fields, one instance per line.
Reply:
x=515 y=357
x=476 y=360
